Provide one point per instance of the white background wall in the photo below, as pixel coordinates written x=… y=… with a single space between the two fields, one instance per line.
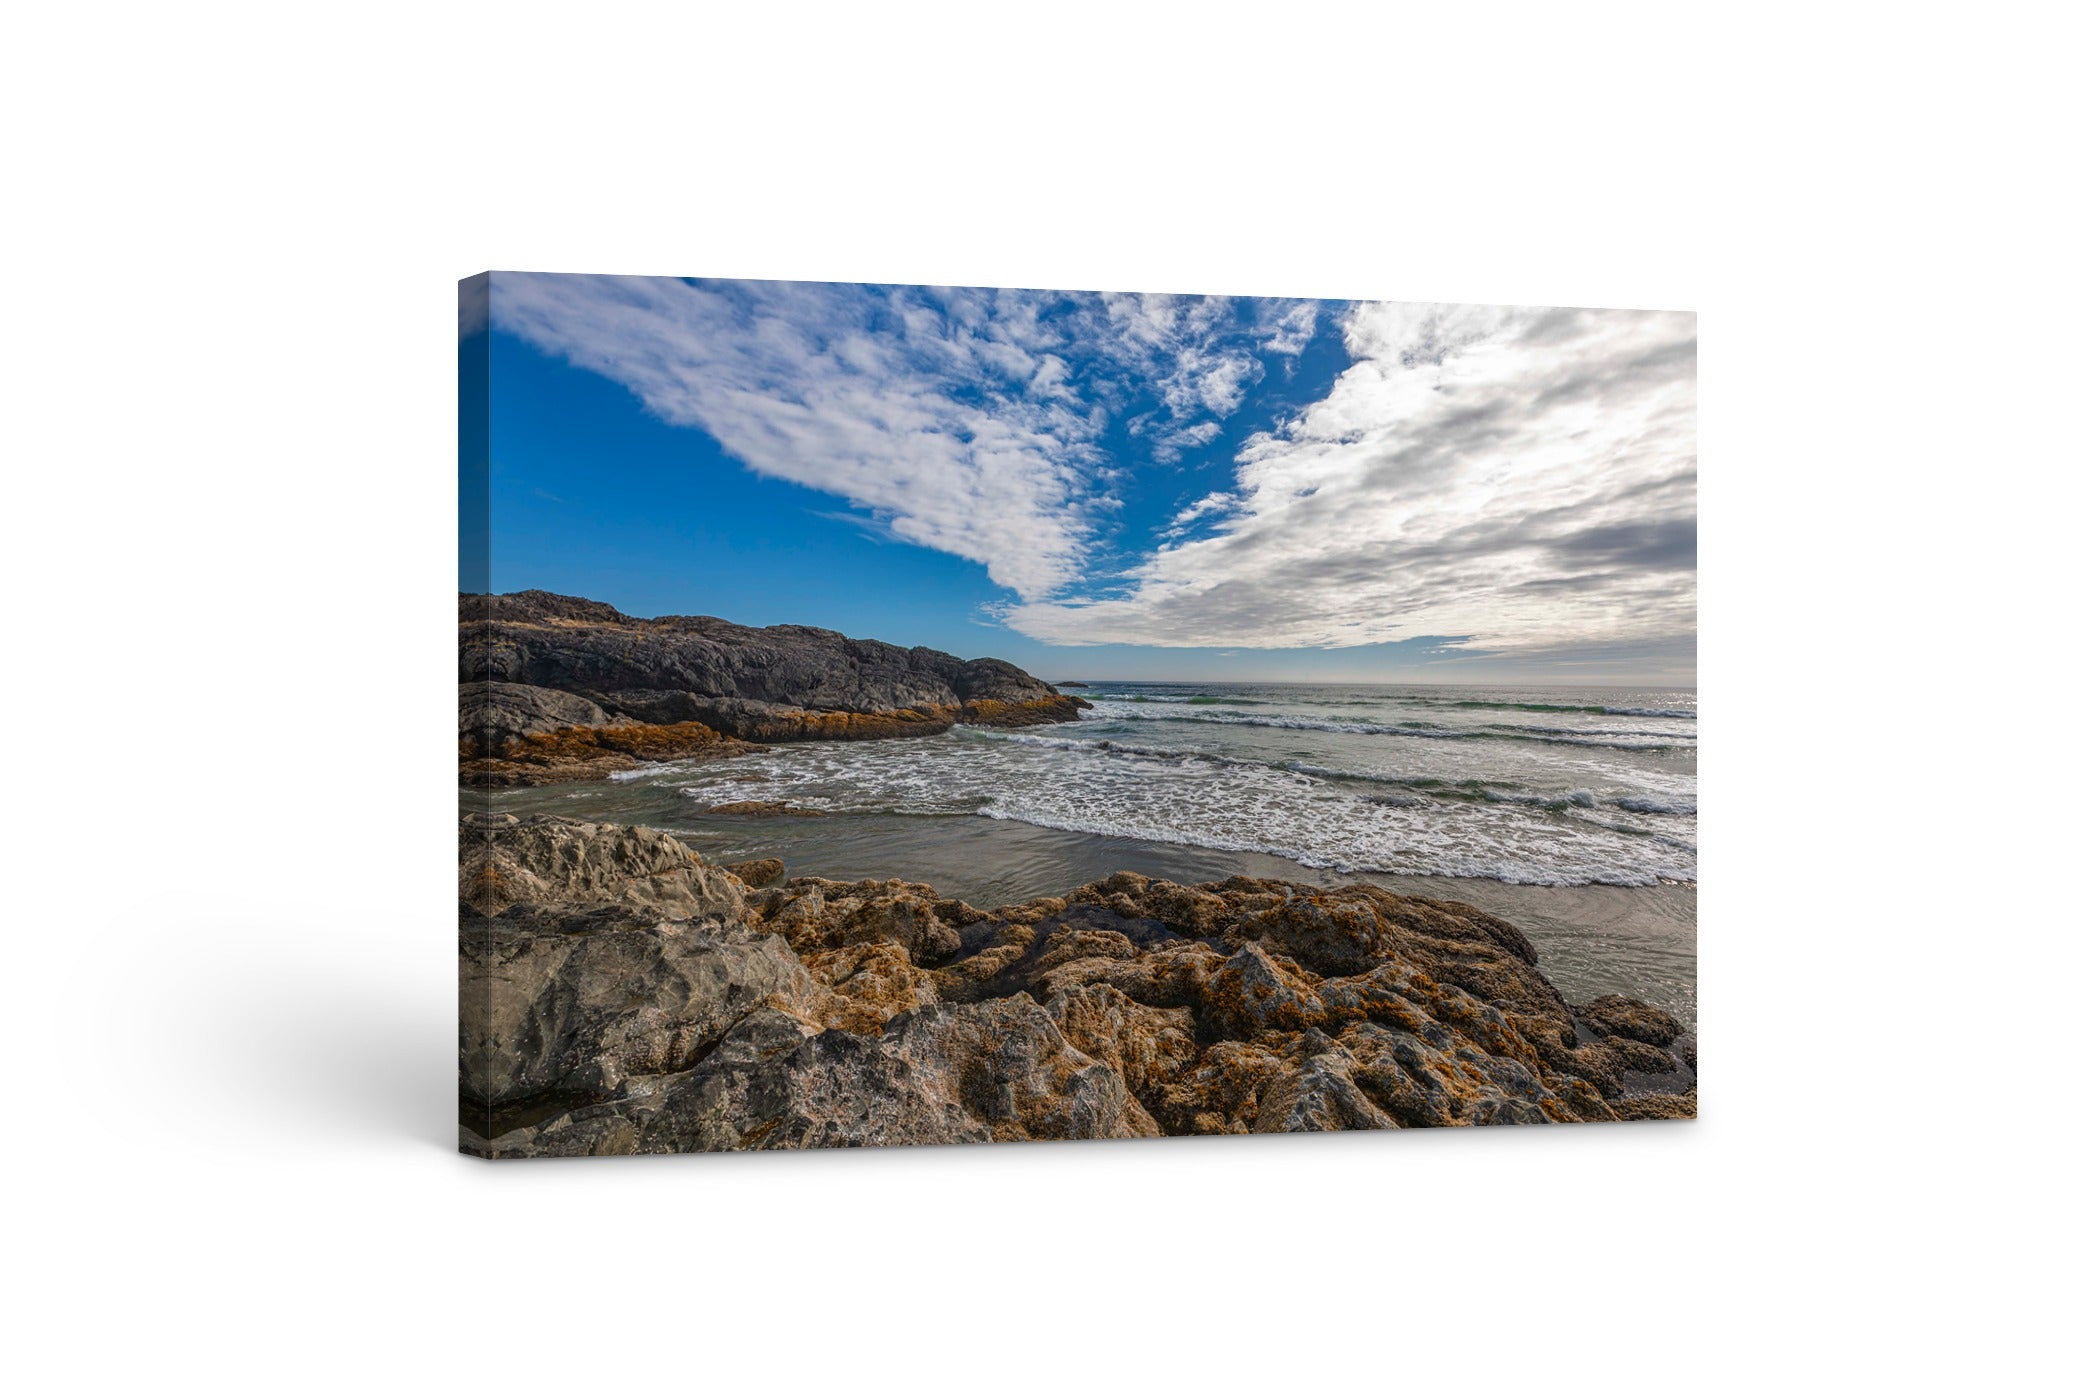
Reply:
x=229 y=549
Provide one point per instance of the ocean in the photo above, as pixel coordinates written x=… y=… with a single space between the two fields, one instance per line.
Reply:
x=1572 y=812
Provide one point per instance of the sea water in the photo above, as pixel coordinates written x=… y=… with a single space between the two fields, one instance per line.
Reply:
x=1526 y=786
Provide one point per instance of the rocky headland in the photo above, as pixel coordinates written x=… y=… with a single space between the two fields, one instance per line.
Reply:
x=620 y=994
x=556 y=689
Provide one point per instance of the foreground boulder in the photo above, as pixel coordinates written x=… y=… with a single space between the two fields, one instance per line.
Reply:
x=603 y=873
x=1630 y=1020
x=621 y=994
x=555 y=689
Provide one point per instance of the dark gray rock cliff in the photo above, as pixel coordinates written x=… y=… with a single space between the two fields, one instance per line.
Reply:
x=752 y=683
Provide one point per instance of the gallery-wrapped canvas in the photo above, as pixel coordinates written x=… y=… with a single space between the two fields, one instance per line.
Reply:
x=921 y=715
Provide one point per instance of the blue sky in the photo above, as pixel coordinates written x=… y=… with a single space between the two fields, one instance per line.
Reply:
x=1094 y=486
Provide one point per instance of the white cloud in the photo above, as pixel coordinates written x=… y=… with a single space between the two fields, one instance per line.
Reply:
x=930 y=416
x=1289 y=325
x=1214 y=503
x=1172 y=444
x=1524 y=477
x=1190 y=351
x=951 y=415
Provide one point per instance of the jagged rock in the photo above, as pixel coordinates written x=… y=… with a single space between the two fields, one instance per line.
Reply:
x=1070 y=943
x=679 y=686
x=1609 y=1061
x=1639 y=1057
x=814 y=914
x=833 y=1090
x=496 y=712
x=1250 y=992
x=1223 y=1092
x=1319 y=1095
x=760 y=873
x=1651 y=1106
x=1074 y=957
x=874 y=982
x=991 y=1072
x=1326 y=934
x=1197 y=912
x=669 y=962
x=550 y=864
x=492 y=757
x=1148 y=1046
x=990 y=949
x=619 y=994
x=1601 y=1066
x=552 y=1016
x=1623 y=1016
x=1173 y=974
x=1009 y=1064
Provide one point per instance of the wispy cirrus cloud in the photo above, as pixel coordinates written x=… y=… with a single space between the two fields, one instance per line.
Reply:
x=968 y=421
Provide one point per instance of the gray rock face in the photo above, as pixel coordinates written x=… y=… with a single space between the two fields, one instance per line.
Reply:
x=553 y=1015
x=542 y=867
x=994 y=1071
x=496 y=713
x=620 y=994
x=668 y=966
x=752 y=683
x=1320 y=1095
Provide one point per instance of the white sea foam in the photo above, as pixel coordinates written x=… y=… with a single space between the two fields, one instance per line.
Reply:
x=1364 y=798
x=644 y=771
x=1629 y=741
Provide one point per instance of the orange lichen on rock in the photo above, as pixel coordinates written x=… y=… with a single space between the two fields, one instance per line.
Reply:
x=1013 y=714
x=587 y=751
x=790 y=726
x=654 y=742
x=872 y=983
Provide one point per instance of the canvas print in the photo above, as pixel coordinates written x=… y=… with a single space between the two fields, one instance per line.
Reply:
x=921 y=715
